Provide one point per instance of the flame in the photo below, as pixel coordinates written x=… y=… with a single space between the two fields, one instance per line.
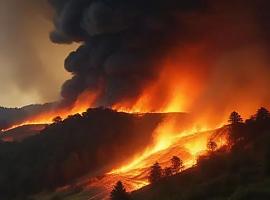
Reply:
x=84 y=101
x=187 y=144
x=173 y=90
x=176 y=86
x=174 y=98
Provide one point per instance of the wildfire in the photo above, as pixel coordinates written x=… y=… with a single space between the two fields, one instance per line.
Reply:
x=166 y=95
x=84 y=101
x=173 y=91
x=187 y=144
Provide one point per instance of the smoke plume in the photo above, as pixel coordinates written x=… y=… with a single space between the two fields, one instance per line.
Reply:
x=218 y=48
x=122 y=43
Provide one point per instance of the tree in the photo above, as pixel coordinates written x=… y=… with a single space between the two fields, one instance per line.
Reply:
x=177 y=164
x=262 y=114
x=211 y=145
x=155 y=173
x=235 y=118
x=119 y=192
x=57 y=119
x=236 y=129
x=168 y=172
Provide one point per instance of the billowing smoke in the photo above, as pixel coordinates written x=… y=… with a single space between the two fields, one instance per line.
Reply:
x=122 y=43
x=218 y=48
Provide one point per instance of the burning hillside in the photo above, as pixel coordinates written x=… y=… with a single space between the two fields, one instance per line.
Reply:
x=188 y=146
x=151 y=79
x=65 y=158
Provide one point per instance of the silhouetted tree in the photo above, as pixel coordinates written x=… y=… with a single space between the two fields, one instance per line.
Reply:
x=119 y=192
x=168 y=172
x=211 y=145
x=155 y=173
x=262 y=114
x=177 y=164
x=235 y=130
x=57 y=119
x=235 y=118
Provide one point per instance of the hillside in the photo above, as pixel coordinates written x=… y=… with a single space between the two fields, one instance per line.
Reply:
x=237 y=172
x=22 y=132
x=12 y=116
x=70 y=159
x=90 y=144
x=136 y=175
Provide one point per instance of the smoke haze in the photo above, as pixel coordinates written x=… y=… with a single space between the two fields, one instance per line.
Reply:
x=30 y=65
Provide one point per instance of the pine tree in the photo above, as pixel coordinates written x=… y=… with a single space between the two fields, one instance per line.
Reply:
x=177 y=164
x=119 y=192
x=235 y=118
x=155 y=173
x=262 y=114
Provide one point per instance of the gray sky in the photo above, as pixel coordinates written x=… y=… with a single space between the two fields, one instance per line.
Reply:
x=31 y=66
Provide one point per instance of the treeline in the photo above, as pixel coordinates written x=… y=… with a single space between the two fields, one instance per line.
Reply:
x=87 y=143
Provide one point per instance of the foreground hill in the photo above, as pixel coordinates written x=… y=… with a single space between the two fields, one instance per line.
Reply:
x=187 y=147
x=90 y=144
x=241 y=171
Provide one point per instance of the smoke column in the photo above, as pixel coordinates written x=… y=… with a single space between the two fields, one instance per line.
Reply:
x=218 y=48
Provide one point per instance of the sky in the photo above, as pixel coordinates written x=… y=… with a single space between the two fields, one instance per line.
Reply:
x=31 y=66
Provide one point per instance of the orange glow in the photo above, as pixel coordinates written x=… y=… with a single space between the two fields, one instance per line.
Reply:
x=168 y=142
x=177 y=85
x=182 y=85
x=84 y=101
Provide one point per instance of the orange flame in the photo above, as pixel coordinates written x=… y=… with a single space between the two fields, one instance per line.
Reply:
x=85 y=100
x=187 y=144
x=174 y=91
x=171 y=92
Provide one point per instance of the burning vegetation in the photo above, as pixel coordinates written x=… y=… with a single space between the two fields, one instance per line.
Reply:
x=64 y=156
x=152 y=86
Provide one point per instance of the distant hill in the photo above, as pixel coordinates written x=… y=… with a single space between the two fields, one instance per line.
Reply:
x=12 y=116
x=22 y=132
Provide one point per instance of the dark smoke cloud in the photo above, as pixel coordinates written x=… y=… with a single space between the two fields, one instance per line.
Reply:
x=122 y=42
